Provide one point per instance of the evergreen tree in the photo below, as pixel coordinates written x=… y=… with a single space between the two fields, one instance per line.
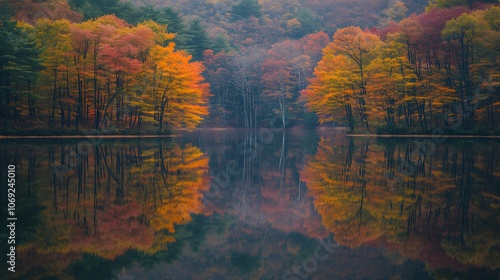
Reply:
x=220 y=44
x=454 y=3
x=246 y=9
x=175 y=24
x=173 y=20
x=92 y=9
x=19 y=65
x=198 y=40
x=309 y=23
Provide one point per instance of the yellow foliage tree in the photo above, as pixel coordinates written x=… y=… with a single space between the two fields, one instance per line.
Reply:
x=181 y=93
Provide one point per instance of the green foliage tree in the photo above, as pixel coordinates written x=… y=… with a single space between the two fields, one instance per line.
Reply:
x=175 y=24
x=220 y=43
x=309 y=22
x=396 y=11
x=454 y=3
x=168 y=17
x=92 y=9
x=246 y=9
x=19 y=64
x=198 y=40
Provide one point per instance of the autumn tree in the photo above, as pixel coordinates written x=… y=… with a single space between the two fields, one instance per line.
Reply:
x=461 y=34
x=329 y=93
x=246 y=75
x=485 y=67
x=223 y=105
x=433 y=68
x=285 y=73
x=180 y=91
x=30 y=11
x=105 y=73
x=56 y=60
x=391 y=79
x=421 y=36
x=358 y=47
x=277 y=81
x=313 y=45
x=353 y=50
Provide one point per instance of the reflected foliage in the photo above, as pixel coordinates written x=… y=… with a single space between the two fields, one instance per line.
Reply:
x=435 y=202
x=156 y=208
x=101 y=201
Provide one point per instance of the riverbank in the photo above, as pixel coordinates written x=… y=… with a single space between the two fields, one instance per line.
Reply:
x=84 y=136
x=84 y=133
x=80 y=134
x=423 y=136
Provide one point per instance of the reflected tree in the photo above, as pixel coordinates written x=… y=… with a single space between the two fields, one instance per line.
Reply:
x=432 y=202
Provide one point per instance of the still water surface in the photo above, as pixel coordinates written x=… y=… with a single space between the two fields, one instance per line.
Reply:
x=255 y=205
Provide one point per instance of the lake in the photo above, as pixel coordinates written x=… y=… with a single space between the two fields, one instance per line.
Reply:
x=254 y=204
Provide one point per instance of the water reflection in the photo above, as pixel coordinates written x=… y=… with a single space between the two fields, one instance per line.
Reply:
x=256 y=178
x=102 y=200
x=437 y=205
x=248 y=205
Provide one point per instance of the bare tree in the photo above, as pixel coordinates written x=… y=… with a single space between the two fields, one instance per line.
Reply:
x=246 y=80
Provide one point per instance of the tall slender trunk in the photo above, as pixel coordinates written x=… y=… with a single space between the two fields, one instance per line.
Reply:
x=364 y=117
x=68 y=123
x=163 y=106
x=79 y=106
x=96 y=91
x=54 y=91
x=61 y=107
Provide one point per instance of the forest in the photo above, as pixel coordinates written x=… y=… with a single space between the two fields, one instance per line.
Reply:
x=148 y=67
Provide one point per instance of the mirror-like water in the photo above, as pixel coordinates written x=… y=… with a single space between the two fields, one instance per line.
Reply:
x=246 y=204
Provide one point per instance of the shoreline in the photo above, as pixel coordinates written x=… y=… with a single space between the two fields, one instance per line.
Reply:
x=118 y=136
x=83 y=136
x=439 y=136
x=321 y=130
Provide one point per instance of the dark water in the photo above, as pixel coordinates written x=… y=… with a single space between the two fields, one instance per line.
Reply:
x=254 y=205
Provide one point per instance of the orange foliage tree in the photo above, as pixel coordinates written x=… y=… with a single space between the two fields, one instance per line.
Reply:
x=430 y=70
x=105 y=73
